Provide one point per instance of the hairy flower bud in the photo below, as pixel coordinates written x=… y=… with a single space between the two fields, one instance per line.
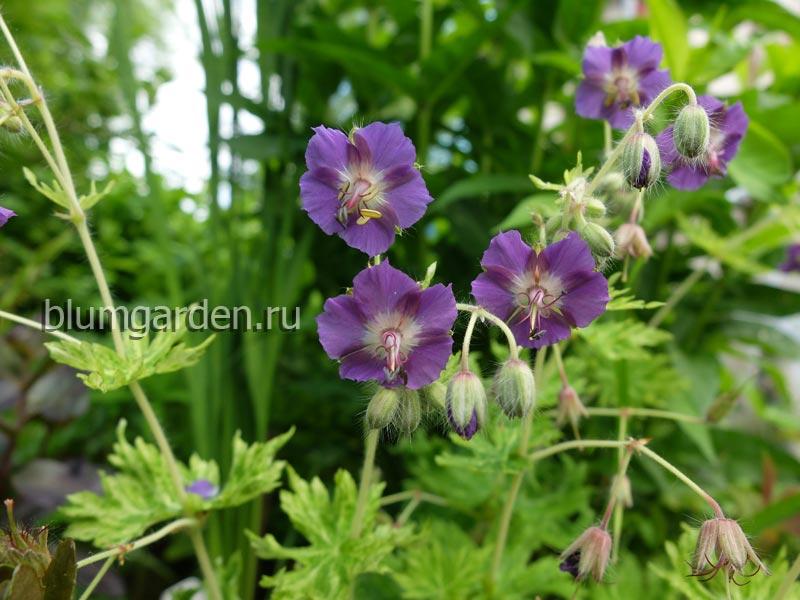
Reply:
x=382 y=409
x=723 y=546
x=598 y=239
x=570 y=407
x=594 y=208
x=692 y=132
x=632 y=241
x=466 y=403
x=432 y=396
x=588 y=554
x=514 y=388
x=409 y=412
x=641 y=160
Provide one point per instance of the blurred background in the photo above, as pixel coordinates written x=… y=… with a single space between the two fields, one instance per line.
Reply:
x=200 y=112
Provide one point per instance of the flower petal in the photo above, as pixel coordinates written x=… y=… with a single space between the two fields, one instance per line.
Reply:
x=362 y=365
x=321 y=202
x=652 y=84
x=373 y=237
x=437 y=308
x=492 y=290
x=388 y=144
x=341 y=326
x=507 y=250
x=381 y=288
x=5 y=215
x=568 y=255
x=327 y=148
x=596 y=61
x=428 y=359
x=590 y=99
x=585 y=299
x=409 y=199
x=643 y=53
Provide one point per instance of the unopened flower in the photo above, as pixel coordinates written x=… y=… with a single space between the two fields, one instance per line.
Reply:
x=619 y=79
x=364 y=186
x=514 y=388
x=632 y=241
x=540 y=294
x=570 y=408
x=5 y=215
x=728 y=126
x=466 y=403
x=723 y=546
x=588 y=554
x=792 y=259
x=641 y=161
x=599 y=240
x=203 y=488
x=389 y=330
x=692 y=132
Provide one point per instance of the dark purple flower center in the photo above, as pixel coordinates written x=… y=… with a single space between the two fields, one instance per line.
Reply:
x=539 y=301
x=359 y=194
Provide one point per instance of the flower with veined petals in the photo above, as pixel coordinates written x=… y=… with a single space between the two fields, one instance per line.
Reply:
x=541 y=295
x=389 y=330
x=5 y=215
x=619 y=79
x=728 y=126
x=364 y=186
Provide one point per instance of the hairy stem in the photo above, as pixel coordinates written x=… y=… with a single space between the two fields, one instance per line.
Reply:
x=485 y=314
x=38 y=326
x=467 y=339
x=573 y=445
x=97 y=578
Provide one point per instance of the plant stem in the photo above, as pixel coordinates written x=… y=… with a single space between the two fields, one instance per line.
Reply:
x=485 y=314
x=675 y=87
x=410 y=495
x=370 y=447
x=572 y=445
x=97 y=578
x=467 y=338
x=623 y=460
x=178 y=524
x=615 y=489
x=516 y=484
x=789 y=580
x=38 y=326
x=684 y=478
x=676 y=296
x=560 y=364
x=635 y=411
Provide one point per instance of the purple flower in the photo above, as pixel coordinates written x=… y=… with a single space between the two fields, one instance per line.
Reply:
x=540 y=295
x=792 y=259
x=728 y=126
x=364 y=186
x=616 y=79
x=203 y=488
x=5 y=215
x=389 y=330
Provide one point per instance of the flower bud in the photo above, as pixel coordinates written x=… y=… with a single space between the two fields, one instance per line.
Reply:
x=554 y=230
x=632 y=241
x=594 y=208
x=466 y=403
x=611 y=186
x=588 y=554
x=641 y=160
x=598 y=239
x=409 y=412
x=432 y=396
x=383 y=407
x=570 y=407
x=692 y=132
x=514 y=388
x=723 y=546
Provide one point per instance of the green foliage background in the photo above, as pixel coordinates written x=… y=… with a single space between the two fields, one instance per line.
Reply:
x=472 y=82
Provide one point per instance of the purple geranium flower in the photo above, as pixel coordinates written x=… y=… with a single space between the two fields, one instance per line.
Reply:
x=203 y=488
x=5 y=215
x=617 y=79
x=728 y=126
x=389 y=330
x=364 y=186
x=792 y=259
x=540 y=295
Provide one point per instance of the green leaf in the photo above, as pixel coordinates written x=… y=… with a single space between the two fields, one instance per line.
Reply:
x=142 y=492
x=89 y=200
x=480 y=185
x=762 y=163
x=520 y=216
x=668 y=25
x=55 y=193
x=108 y=371
x=59 y=580
x=627 y=339
x=325 y=569
x=623 y=299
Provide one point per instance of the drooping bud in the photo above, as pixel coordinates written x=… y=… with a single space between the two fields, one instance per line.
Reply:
x=383 y=408
x=632 y=241
x=723 y=546
x=622 y=490
x=514 y=388
x=409 y=412
x=641 y=160
x=598 y=239
x=466 y=403
x=570 y=407
x=588 y=554
x=692 y=132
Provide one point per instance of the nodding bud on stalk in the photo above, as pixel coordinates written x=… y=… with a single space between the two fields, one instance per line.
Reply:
x=570 y=407
x=466 y=403
x=641 y=160
x=632 y=241
x=514 y=388
x=394 y=406
x=723 y=546
x=588 y=554
x=692 y=132
x=598 y=239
